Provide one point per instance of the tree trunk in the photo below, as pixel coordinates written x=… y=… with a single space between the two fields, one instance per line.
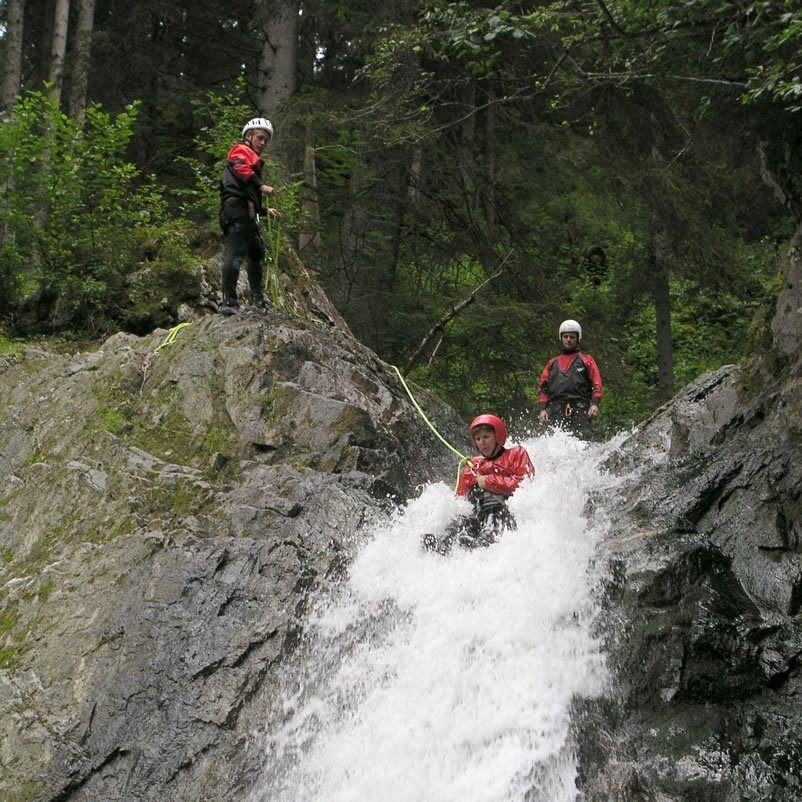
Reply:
x=414 y=177
x=490 y=156
x=58 y=48
x=662 y=308
x=81 y=58
x=467 y=140
x=353 y=231
x=278 y=60
x=786 y=326
x=309 y=234
x=12 y=62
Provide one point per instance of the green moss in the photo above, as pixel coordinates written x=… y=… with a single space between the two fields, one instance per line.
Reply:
x=9 y=347
x=24 y=792
x=13 y=645
x=112 y=420
x=107 y=531
x=216 y=385
x=8 y=619
x=214 y=441
x=170 y=439
x=11 y=495
x=45 y=590
x=67 y=530
x=180 y=498
x=267 y=400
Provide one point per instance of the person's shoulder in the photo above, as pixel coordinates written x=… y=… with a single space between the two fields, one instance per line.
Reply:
x=240 y=150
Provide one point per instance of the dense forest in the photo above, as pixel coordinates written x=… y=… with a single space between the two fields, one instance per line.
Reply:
x=459 y=178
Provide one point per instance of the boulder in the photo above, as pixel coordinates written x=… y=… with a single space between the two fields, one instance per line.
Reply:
x=169 y=505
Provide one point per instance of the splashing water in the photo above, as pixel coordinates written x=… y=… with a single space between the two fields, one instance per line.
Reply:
x=439 y=678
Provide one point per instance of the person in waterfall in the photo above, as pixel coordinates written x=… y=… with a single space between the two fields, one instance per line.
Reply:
x=570 y=388
x=487 y=480
x=242 y=190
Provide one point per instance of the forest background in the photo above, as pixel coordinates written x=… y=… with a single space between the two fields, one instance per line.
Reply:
x=459 y=178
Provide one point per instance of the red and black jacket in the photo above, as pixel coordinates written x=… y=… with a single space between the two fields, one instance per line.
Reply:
x=242 y=177
x=570 y=377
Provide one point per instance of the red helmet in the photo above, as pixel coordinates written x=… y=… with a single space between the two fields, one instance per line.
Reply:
x=499 y=427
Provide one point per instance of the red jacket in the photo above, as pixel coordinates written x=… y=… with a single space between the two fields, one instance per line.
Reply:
x=246 y=164
x=242 y=176
x=504 y=473
x=564 y=382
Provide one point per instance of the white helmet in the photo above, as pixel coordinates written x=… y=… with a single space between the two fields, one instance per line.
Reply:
x=571 y=326
x=258 y=122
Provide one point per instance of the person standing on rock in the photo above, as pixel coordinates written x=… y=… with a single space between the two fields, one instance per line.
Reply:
x=241 y=193
x=570 y=389
x=487 y=480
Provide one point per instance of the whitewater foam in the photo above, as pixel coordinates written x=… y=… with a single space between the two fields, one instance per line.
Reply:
x=431 y=677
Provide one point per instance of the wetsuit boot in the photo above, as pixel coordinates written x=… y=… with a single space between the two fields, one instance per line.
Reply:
x=256 y=281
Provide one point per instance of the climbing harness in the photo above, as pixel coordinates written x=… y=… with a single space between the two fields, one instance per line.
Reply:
x=464 y=460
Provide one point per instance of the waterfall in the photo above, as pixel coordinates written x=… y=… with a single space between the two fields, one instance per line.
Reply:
x=431 y=678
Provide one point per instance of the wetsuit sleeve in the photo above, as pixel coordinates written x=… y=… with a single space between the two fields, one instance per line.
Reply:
x=505 y=476
x=595 y=379
x=542 y=395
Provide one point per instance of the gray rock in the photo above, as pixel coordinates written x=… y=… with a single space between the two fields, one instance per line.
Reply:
x=702 y=615
x=165 y=514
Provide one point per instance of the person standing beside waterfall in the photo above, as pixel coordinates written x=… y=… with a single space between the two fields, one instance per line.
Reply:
x=570 y=388
x=241 y=192
x=488 y=480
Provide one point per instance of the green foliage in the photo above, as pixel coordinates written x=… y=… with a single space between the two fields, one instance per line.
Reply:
x=74 y=214
x=596 y=157
x=112 y=420
x=8 y=347
x=221 y=118
x=562 y=140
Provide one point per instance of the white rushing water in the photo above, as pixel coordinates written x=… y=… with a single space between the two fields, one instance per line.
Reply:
x=433 y=678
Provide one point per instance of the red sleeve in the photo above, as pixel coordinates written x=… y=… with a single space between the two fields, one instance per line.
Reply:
x=544 y=377
x=595 y=377
x=506 y=473
x=244 y=162
x=467 y=479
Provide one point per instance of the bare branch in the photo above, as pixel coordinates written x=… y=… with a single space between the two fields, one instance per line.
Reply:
x=439 y=327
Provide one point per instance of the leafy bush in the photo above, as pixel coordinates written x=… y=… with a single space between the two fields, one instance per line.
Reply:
x=74 y=214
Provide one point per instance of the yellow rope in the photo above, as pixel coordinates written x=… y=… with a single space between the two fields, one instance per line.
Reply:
x=273 y=275
x=463 y=458
x=171 y=335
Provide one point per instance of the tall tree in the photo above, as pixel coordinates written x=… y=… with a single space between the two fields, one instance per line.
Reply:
x=658 y=247
x=309 y=233
x=58 y=48
x=278 y=65
x=81 y=51
x=12 y=53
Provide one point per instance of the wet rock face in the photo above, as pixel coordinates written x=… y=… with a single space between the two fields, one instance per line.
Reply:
x=702 y=613
x=786 y=327
x=165 y=515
